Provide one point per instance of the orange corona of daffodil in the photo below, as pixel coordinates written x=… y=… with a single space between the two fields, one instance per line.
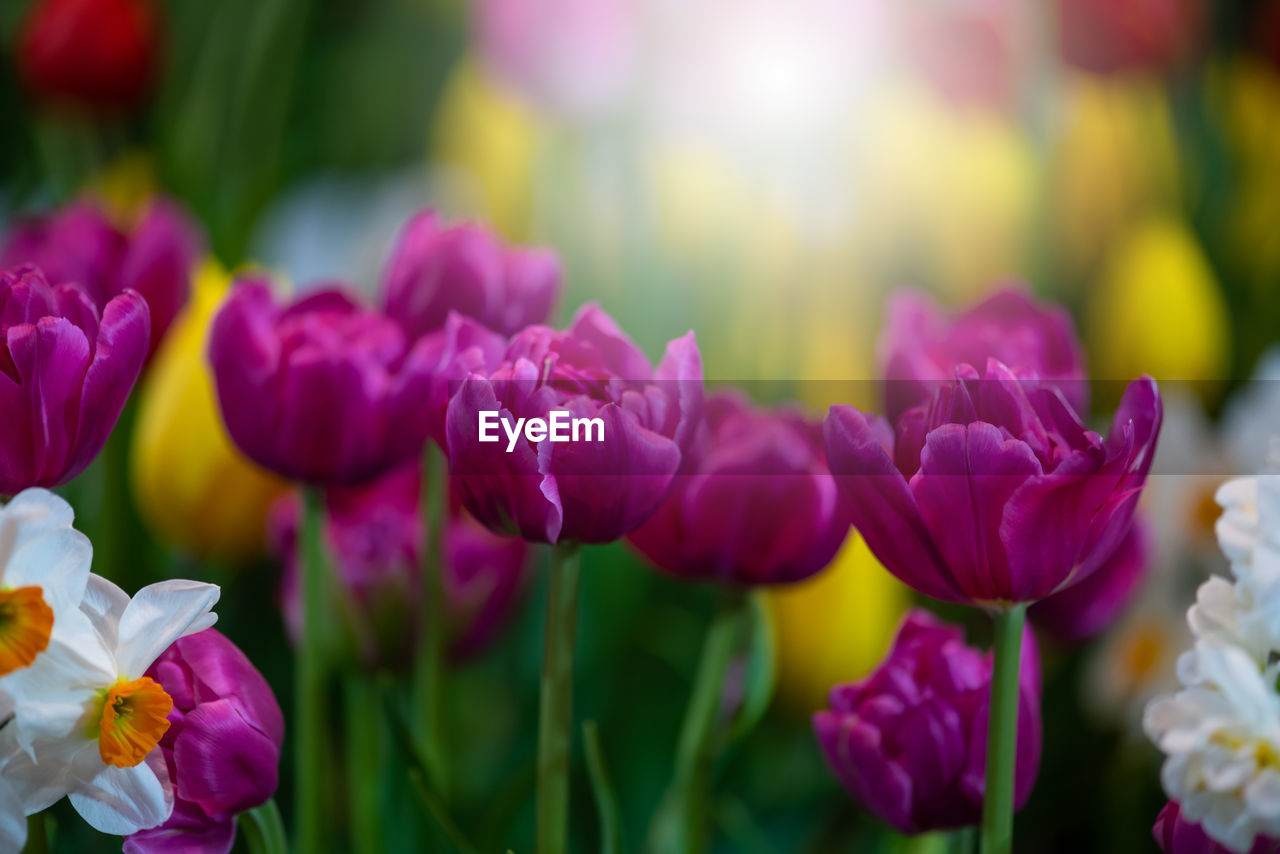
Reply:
x=835 y=626
x=193 y=488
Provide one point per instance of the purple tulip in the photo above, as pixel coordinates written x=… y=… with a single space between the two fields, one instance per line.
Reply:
x=909 y=741
x=921 y=346
x=1175 y=835
x=753 y=504
x=222 y=746
x=1086 y=609
x=460 y=348
x=435 y=269
x=374 y=534
x=65 y=373
x=584 y=491
x=323 y=390
x=79 y=245
x=994 y=491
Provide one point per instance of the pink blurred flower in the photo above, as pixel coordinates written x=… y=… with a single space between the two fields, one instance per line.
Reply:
x=909 y=741
x=571 y=57
x=586 y=491
x=437 y=268
x=375 y=536
x=79 y=245
x=753 y=504
x=65 y=373
x=322 y=390
x=921 y=346
x=1175 y=835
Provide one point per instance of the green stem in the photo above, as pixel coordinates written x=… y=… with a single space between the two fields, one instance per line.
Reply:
x=37 y=835
x=555 y=712
x=602 y=788
x=263 y=829
x=310 y=745
x=429 y=718
x=1002 y=732
x=683 y=820
x=363 y=733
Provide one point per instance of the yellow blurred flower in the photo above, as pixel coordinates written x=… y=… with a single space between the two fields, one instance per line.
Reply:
x=1157 y=308
x=1115 y=159
x=192 y=487
x=124 y=187
x=947 y=195
x=835 y=626
x=488 y=142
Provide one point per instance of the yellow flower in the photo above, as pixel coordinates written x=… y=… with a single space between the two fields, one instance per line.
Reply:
x=192 y=486
x=1116 y=158
x=835 y=626
x=947 y=195
x=1157 y=308
x=487 y=142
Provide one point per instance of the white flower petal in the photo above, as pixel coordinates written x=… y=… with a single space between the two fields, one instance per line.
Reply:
x=157 y=616
x=121 y=801
x=104 y=604
x=32 y=513
x=13 y=820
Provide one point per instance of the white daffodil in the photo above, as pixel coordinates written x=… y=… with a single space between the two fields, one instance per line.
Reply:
x=44 y=566
x=88 y=720
x=13 y=820
x=1221 y=737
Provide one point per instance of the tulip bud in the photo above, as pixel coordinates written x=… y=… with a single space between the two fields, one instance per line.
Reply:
x=909 y=742
x=222 y=747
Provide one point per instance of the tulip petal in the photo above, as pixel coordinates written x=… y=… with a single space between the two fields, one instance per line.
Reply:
x=882 y=506
x=226 y=764
x=967 y=474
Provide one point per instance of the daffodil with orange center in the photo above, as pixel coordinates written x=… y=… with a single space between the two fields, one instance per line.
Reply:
x=89 y=721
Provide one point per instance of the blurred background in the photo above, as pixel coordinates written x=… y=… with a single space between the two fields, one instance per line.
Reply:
x=764 y=173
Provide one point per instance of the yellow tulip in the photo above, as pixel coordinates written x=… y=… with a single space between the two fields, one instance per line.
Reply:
x=1115 y=158
x=488 y=142
x=1157 y=308
x=192 y=487
x=835 y=626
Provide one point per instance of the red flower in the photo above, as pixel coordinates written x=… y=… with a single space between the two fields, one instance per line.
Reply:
x=95 y=53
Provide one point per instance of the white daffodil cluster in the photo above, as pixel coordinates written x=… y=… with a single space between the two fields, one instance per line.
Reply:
x=1221 y=732
x=78 y=717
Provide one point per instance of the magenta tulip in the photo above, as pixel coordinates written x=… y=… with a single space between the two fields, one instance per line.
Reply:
x=323 y=390
x=994 y=492
x=374 y=534
x=458 y=349
x=753 y=504
x=65 y=373
x=79 y=245
x=1175 y=835
x=437 y=268
x=909 y=741
x=921 y=346
x=1086 y=609
x=582 y=491
x=222 y=746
